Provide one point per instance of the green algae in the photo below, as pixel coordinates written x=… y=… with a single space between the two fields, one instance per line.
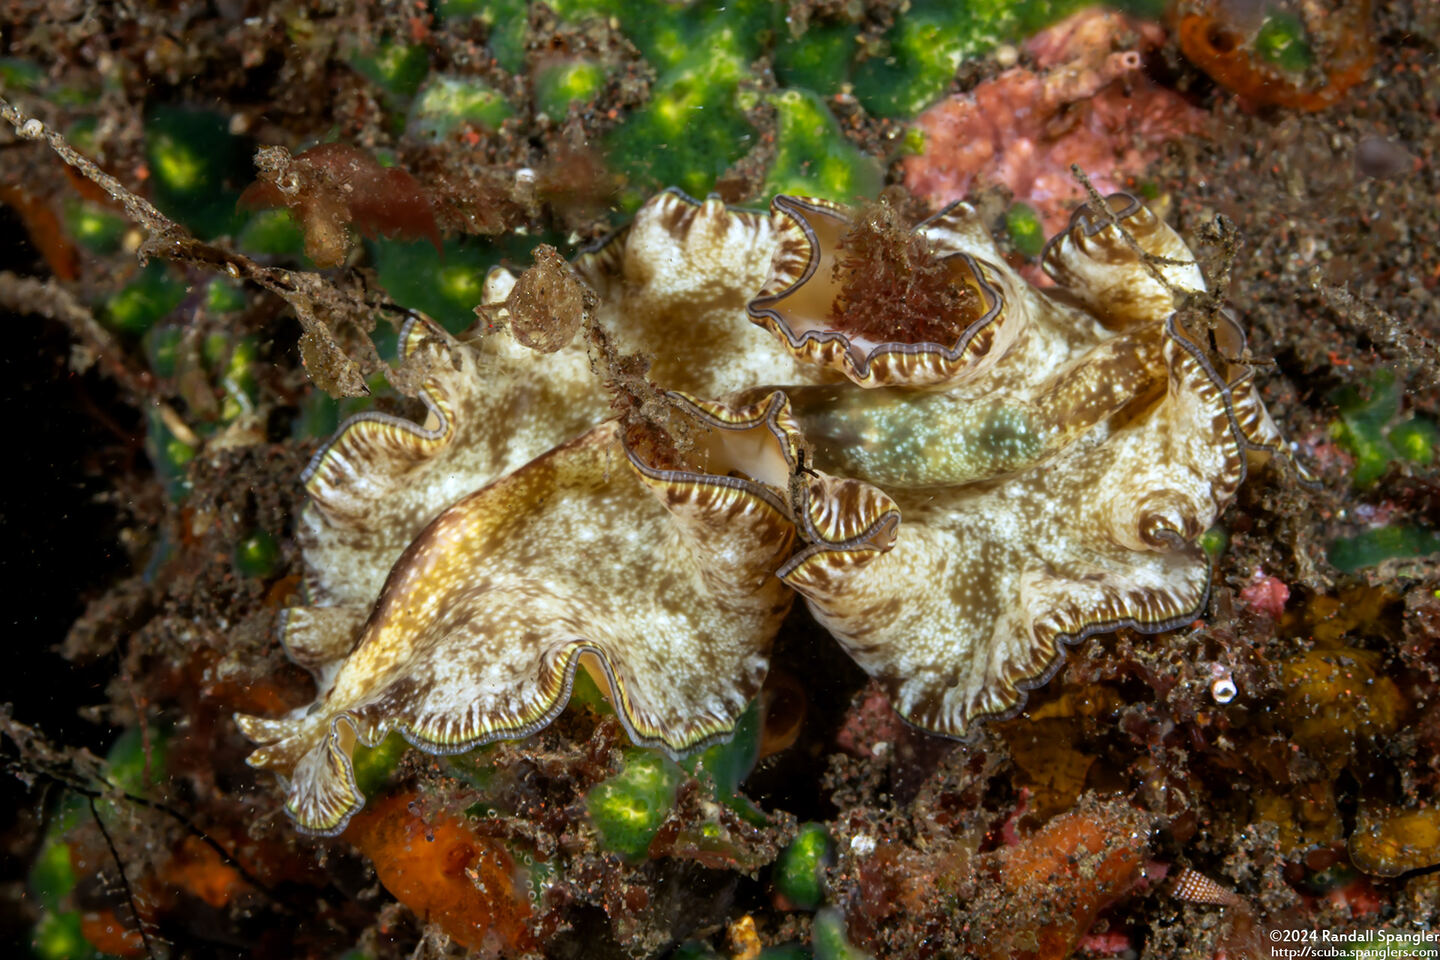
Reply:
x=373 y=765
x=505 y=23
x=1281 y=40
x=691 y=131
x=1027 y=233
x=445 y=284
x=817 y=60
x=17 y=74
x=170 y=456
x=921 y=52
x=668 y=34
x=1372 y=547
x=195 y=164
x=726 y=765
x=695 y=125
x=398 y=69
x=162 y=348
x=1214 y=542
x=93 y=227
x=798 y=870
x=257 y=555
x=272 y=233
x=448 y=104
x=560 y=84
x=1365 y=428
x=628 y=809
x=57 y=936
x=233 y=362
x=812 y=157
x=829 y=939
x=224 y=295
x=137 y=306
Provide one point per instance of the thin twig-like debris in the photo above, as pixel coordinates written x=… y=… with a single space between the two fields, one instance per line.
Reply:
x=318 y=304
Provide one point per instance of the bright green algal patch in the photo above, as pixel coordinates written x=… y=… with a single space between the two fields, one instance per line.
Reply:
x=818 y=59
x=16 y=74
x=57 y=936
x=272 y=233
x=924 y=49
x=449 y=103
x=446 y=287
x=170 y=455
x=93 y=227
x=1375 y=546
x=1364 y=428
x=233 y=364
x=195 y=166
x=51 y=876
x=829 y=939
x=797 y=872
x=505 y=24
x=726 y=765
x=812 y=157
x=1214 y=542
x=224 y=295
x=629 y=808
x=136 y=762
x=1281 y=41
x=669 y=33
x=1415 y=440
x=1027 y=233
x=692 y=129
x=373 y=765
x=257 y=555
x=920 y=54
x=397 y=69
x=135 y=308
x=561 y=84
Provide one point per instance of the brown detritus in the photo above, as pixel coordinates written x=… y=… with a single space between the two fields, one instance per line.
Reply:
x=892 y=286
x=334 y=186
x=653 y=429
x=95 y=344
x=576 y=183
x=1035 y=897
x=548 y=302
x=321 y=307
x=1396 y=339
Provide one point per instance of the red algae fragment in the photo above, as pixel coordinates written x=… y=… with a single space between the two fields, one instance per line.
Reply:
x=892 y=286
x=334 y=186
x=463 y=883
x=1087 y=102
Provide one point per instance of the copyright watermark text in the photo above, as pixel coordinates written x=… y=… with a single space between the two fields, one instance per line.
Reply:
x=1356 y=944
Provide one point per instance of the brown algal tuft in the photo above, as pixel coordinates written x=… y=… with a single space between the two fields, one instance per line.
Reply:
x=651 y=428
x=892 y=286
x=335 y=186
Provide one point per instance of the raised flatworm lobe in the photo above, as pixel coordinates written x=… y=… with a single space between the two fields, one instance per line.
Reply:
x=666 y=575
